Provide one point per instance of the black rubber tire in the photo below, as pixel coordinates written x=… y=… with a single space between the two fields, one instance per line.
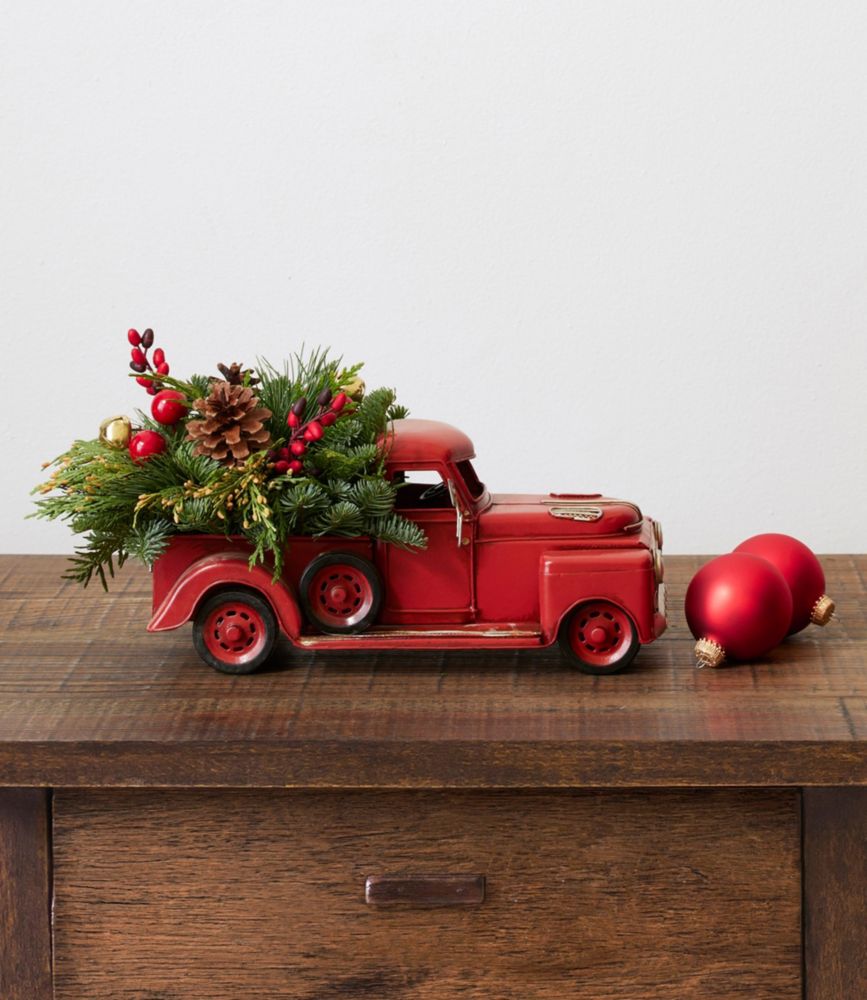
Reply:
x=363 y=566
x=593 y=669
x=225 y=597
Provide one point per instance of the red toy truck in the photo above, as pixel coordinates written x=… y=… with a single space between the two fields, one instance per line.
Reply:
x=499 y=571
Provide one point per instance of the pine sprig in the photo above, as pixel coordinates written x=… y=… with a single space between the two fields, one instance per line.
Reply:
x=341 y=518
x=96 y=557
x=147 y=542
x=398 y=531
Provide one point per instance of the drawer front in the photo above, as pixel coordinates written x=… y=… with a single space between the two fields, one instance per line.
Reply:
x=200 y=895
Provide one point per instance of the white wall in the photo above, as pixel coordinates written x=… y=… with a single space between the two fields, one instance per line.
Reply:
x=623 y=245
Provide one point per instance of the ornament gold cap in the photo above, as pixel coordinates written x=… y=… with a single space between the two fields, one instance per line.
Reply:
x=115 y=431
x=822 y=611
x=709 y=653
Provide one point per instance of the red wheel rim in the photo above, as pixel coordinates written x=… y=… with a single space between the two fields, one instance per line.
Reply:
x=600 y=633
x=340 y=595
x=235 y=632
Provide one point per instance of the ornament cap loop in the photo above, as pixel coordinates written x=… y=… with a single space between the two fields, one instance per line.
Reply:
x=823 y=610
x=709 y=653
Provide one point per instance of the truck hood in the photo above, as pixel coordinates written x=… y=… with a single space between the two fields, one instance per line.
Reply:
x=557 y=515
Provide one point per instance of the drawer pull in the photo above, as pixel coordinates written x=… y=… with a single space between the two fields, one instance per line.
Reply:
x=424 y=891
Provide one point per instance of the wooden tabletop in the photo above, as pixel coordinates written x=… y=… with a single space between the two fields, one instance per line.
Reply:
x=88 y=698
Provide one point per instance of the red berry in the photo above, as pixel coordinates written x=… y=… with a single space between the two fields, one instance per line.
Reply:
x=159 y=356
x=293 y=420
x=281 y=467
x=163 y=369
x=339 y=402
x=315 y=429
x=137 y=354
x=146 y=444
x=169 y=406
x=146 y=382
x=284 y=454
x=147 y=338
x=133 y=337
x=297 y=448
x=152 y=389
x=327 y=419
x=295 y=465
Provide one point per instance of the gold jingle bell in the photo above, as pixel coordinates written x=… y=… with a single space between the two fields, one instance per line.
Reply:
x=115 y=432
x=354 y=388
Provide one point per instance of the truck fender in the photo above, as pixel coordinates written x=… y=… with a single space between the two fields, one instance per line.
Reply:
x=622 y=576
x=224 y=570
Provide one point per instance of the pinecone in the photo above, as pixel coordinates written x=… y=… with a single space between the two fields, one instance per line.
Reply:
x=232 y=426
x=235 y=375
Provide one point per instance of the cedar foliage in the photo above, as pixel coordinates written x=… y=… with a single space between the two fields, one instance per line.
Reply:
x=125 y=509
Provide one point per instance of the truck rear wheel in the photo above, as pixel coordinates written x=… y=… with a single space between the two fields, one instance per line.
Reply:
x=341 y=593
x=599 y=638
x=234 y=631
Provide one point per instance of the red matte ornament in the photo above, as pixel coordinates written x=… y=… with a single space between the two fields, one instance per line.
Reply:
x=169 y=406
x=802 y=572
x=739 y=607
x=145 y=445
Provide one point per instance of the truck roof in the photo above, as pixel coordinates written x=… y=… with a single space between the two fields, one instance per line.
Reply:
x=416 y=441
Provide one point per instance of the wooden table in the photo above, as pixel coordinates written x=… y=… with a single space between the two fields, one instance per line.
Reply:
x=167 y=832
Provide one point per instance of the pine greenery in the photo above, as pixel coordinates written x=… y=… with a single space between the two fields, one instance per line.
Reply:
x=127 y=509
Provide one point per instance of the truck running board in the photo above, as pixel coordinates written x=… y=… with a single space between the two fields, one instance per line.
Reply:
x=411 y=637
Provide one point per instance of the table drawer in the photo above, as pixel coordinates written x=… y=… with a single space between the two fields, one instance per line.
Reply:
x=594 y=895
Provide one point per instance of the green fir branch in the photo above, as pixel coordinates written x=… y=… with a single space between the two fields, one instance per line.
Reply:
x=147 y=542
x=397 y=530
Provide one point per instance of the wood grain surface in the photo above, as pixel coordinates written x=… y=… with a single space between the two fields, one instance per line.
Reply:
x=25 y=895
x=835 y=893
x=88 y=698
x=593 y=896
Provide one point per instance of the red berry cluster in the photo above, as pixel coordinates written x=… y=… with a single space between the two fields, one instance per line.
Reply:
x=304 y=432
x=141 y=344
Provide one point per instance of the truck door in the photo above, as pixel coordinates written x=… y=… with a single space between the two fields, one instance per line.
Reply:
x=433 y=585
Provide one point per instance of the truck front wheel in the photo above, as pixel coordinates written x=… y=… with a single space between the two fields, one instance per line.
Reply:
x=234 y=631
x=599 y=638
